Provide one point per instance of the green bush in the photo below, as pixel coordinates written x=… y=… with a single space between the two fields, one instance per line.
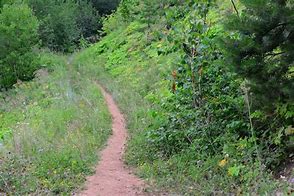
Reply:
x=18 y=37
x=3 y=2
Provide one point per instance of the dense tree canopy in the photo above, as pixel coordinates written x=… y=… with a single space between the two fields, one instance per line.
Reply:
x=262 y=52
x=263 y=49
x=63 y=23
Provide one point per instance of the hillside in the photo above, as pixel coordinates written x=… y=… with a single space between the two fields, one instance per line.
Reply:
x=200 y=149
x=206 y=88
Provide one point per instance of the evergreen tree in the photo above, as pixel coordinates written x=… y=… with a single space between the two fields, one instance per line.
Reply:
x=263 y=49
x=88 y=19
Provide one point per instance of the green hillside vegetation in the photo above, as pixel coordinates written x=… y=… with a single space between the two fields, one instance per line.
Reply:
x=206 y=88
x=51 y=129
x=205 y=135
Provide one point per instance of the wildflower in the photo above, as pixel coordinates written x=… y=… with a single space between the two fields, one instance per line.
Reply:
x=289 y=131
x=223 y=162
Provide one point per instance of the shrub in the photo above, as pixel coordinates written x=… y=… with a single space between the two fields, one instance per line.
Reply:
x=18 y=37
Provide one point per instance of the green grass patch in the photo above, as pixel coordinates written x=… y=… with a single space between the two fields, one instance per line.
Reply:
x=51 y=129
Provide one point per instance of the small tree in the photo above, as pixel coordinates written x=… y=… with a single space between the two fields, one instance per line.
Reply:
x=18 y=37
x=88 y=19
x=263 y=48
x=58 y=27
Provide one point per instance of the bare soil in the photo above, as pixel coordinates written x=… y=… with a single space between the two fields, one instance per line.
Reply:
x=112 y=177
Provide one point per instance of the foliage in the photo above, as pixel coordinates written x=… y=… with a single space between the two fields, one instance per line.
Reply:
x=191 y=115
x=105 y=6
x=61 y=26
x=63 y=23
x=88 y=19
x=3 y=2
x=206 y=108
x=18 y=36
x=261 y=51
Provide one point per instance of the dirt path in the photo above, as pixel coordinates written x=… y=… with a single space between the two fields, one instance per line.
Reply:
x=112 y=178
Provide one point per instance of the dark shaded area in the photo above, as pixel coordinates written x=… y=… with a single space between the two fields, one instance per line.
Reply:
x=105 y=6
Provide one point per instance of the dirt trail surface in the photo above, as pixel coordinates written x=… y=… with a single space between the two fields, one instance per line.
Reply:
x=112 y=178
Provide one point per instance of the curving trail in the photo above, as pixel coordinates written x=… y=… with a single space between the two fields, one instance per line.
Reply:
x=112 y=178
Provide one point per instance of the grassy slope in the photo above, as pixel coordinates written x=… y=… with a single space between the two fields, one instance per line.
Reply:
x=52 y=129
x=140 y=78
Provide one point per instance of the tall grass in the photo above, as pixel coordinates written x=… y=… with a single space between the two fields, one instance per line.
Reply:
x=53 y=128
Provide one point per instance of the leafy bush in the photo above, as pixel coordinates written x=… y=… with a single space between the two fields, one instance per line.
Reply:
x=18 y=37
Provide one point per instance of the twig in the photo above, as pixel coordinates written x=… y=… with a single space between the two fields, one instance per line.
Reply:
x=274 y=54
x=193 y=75
x=235 y=8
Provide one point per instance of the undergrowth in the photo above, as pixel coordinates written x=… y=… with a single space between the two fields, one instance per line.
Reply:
x=51 y=129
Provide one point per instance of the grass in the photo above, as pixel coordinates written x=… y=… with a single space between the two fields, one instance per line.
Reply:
x=51 y=130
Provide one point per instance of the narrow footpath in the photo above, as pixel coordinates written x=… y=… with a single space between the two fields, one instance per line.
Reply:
x=112 y=178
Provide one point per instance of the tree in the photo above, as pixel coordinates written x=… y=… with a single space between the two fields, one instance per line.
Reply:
x=58 y=27
x=63 y=23
x=88 y=19
x=263 y=48
x=18 y=37
x=2 y=2
x=261 y=51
